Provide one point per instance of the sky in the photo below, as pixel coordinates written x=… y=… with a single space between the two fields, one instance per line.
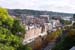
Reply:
x=67 y=6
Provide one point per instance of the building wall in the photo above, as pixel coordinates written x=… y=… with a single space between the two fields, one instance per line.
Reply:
x=32 y=33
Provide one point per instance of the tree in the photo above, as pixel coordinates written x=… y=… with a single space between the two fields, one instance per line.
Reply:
x=74 y=16
x=68 y=41
x=9 y=27
x=17 y=28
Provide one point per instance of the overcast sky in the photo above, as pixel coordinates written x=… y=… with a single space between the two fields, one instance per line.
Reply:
x=49 y=5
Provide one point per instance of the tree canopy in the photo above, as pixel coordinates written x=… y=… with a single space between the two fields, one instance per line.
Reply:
x=11 y=31
x=68 y=41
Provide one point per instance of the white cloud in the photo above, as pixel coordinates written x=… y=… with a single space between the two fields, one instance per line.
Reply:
x=49 y=5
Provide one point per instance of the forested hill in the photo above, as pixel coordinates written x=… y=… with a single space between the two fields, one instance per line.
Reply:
x=36 y=12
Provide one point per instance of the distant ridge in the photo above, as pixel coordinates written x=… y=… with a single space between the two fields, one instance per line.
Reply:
x=37 y=12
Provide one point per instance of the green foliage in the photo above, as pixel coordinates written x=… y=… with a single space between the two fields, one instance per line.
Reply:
x=65 y=44
x=17 y=27
x=54 y=35
x=68 y=41
x=74 y=16
x=3 y=14
x=10 y=38
x=65 y=22
x=24 y=47
x=5 y=47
